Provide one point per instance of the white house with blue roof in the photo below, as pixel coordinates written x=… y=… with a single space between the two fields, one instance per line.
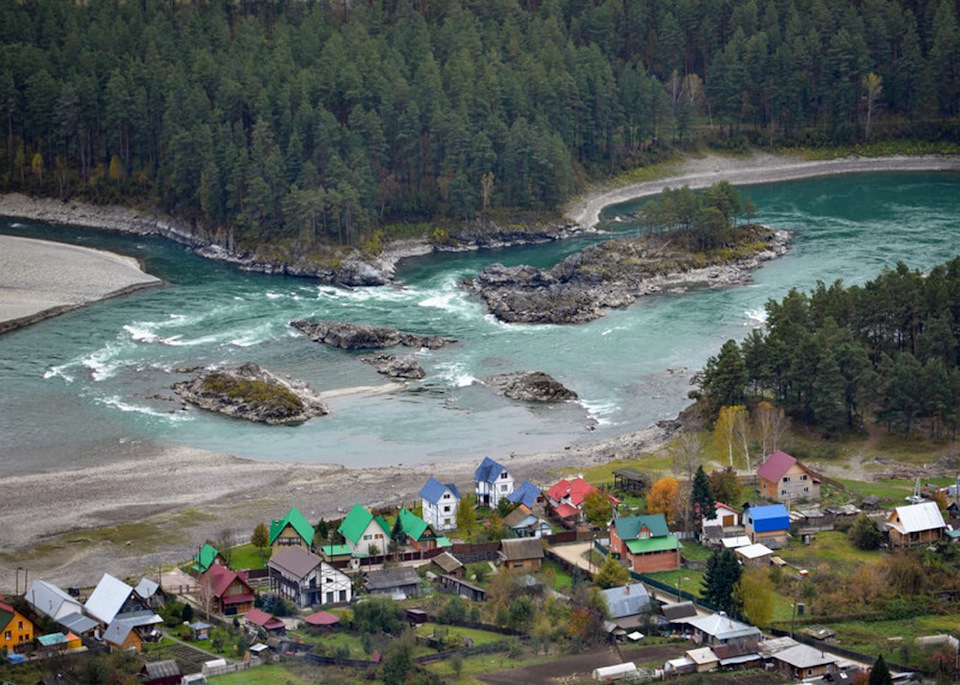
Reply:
x=493 y=482
x=440 y=502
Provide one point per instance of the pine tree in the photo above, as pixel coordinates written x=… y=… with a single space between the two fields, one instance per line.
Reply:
x=702 y=496
x=880 y=673
x=722 y=574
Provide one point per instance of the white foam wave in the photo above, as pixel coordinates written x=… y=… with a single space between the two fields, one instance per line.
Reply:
x=16 y=225
x=756 y=317
x=276 y=296
x=118 y=403
x=103 y=363
x=253 y=336
x=600 y=411
x=454 y=374
x=60 y=371
x=140 y=332
x=614 y=329
x=178 y=341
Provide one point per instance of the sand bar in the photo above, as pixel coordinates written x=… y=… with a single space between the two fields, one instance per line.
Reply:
x=42 y=278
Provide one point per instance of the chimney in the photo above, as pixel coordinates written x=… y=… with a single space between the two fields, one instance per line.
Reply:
x=627 y=589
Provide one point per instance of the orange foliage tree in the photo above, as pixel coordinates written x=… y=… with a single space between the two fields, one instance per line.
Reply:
x=662 y=498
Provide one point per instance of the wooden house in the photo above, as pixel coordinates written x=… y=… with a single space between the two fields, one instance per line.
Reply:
x=784 y=479
x=915 y=524
x=258 y=619
x=16 y=630
x=306 y=579
x=523 y=554
x=225 y=591
x=165 y=672
x=400 y=582
x=292 y=530
x=567 y=498
x=447 y=564
x=523 y=523
x=206 y=557
x=419 y=534
x=769 y=524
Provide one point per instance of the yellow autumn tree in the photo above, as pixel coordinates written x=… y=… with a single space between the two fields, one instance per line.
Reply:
x=662 y=498
x=726 y=428
x=753 y=594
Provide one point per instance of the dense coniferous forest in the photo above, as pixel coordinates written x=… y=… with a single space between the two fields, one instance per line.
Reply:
x=886 y=351
x=319 y=121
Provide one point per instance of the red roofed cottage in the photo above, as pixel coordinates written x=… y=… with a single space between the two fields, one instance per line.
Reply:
x=784 y=479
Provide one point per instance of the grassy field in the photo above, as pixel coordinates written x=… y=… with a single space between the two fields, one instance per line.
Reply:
x=248 y=557
x=271 y=674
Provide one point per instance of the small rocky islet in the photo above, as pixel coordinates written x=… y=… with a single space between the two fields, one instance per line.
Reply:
x=356 y=336
x=616 y=272
x=529 y=386
x=254 y=394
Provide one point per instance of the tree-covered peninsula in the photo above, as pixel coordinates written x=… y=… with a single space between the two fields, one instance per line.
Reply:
x=319 y=122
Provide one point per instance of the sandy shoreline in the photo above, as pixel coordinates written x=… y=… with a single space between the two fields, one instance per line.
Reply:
x=156 y=503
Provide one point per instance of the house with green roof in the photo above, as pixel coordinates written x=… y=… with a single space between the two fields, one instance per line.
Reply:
x=206 y=557
x=363 y=532
x=420 y=535
x=292 y=530
x=645 y=542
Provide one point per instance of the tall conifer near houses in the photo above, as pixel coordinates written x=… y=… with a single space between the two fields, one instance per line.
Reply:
x=704 y=504
x=723 y=572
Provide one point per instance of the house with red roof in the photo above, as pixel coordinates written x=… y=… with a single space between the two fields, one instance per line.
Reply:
x=225 y=591
x=567 y=497
x=784 y=479
x=261 y=620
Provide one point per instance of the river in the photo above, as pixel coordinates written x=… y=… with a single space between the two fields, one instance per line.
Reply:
x=78 y=387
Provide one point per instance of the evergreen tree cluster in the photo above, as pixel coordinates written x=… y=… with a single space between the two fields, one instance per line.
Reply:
x=889 y=347
x=316 y=121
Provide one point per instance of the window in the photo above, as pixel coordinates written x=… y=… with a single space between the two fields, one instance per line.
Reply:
x=6 y=636
x=786 y=479
x=329 y=597
x=803 y=477
x=20 y=625
x=328 y=579
x=518 y=564
x=447 y=522
x=503 y=475
x=446 y=509
x=367 y=537
x=446 y=495
x=783 y=492
x=503 y=488
x=806 y=489
x=343 y=595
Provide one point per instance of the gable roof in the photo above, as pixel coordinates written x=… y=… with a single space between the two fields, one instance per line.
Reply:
x=915 y=518
x=147 y=588
x=768 y=518
x=205 y=557
x=414 y=526
x=775 y=466
x=515 y=517
x=221 y=578
x=107 y=598
x=299 y=523
x=521 y=549
x=576 y=489
x=566 y=510
x=526 y=494
x=627 y=600
x=261 y=618
x=356 y=522
x=488 y=471
x=161 y=669
x=50 y=600
x=294 y=562
x=387 y=578
x=433 y=490
x=723 y=627
x=675 y=612
x=447 y=562
x=720 y=505
x=802 y=656
x=629 y=527
x=7 y=613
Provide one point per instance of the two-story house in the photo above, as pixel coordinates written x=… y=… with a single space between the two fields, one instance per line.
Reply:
x=16 y=630
x=292 y=529
x=419 y=534
x=439 y=503
x=784 y=479
x=306 y=579
x=645 y=542
x=769 y=524
x=493 y=482
x=364 y=533
x=225 y=591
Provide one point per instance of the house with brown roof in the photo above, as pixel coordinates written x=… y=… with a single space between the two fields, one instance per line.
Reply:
x=523 y=523
x=784 y=479
x=522 y=554
x=306 y=579
x=225 y=591
x=447 y=564
x=261 y=620
x=915 y=524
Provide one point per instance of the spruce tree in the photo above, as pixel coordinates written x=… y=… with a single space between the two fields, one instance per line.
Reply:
x=880 y=673
x=723 y=572
x=702 y=496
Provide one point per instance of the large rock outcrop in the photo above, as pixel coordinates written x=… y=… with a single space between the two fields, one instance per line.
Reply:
x=615 y=273
x=529 y=386
x=395 y=367
x=356 y=336
x=252 y=394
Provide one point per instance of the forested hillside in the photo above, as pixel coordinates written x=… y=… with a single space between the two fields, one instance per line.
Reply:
x=885 y=351
x=318 y=121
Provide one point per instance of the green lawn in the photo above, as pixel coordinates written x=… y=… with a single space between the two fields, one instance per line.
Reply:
x=694 y=551
x=689 y=580
x=829 y=549
x=479 y=637
x=563 y=579
x=248 y=557
x=270 y=674
x=873 y=637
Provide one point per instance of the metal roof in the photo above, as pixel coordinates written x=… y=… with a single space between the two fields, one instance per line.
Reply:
x=107 y=598
x=50 y=600
x=917 y=517
x=391 y=578
x=723 y=627
x=736 y=541
x=526 y=494
x=356 y=523
x=299 y=524
x=802 y=656
x=147 y=588
x=433 y=490
x=488 y=471
x=78 y=623
x=768 y=518
x=754 y=551
x=776 y=465
x=629 y=527
x=294 y=562
x=627 y=600
x=649 y=545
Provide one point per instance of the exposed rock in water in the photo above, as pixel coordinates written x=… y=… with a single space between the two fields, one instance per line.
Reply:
x=395 y=367
x=530 y=386
x=355 y=336
x=617 y=272
x=252 y=394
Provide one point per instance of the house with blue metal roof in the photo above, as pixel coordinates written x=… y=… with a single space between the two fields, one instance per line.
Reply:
x=440 y=502
x=493 y=482
x=528 y=495
x=768 y=524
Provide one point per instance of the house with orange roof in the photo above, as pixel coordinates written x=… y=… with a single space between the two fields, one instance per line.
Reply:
x=226 y=591
x=784 y=479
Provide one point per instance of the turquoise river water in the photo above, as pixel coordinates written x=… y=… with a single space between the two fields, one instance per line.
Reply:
x=78 y=387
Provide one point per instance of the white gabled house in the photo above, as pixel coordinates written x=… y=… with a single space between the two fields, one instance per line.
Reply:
x=440 y=502
x=306 y=579
x=493 y=483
